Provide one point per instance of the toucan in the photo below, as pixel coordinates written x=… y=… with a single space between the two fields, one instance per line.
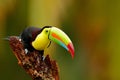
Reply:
x=34 y=38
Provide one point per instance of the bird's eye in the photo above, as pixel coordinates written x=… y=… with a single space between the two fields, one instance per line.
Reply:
x=46 y=31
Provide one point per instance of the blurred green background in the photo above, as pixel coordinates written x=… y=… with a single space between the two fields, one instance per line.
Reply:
x=92 y=25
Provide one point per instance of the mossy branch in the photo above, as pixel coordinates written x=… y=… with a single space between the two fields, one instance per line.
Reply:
x=33 y=63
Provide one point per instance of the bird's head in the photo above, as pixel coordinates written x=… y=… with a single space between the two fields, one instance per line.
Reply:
x=49 y=33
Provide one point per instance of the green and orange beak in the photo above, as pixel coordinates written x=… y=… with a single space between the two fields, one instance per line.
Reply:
x=62 y=39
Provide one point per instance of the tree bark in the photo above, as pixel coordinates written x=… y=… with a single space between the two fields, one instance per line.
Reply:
x=33 y=62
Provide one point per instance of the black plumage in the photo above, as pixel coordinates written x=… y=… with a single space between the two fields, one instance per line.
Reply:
x=29 y=34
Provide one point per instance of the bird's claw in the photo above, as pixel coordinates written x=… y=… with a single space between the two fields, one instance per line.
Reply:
x=43 y=58
x=26 y=51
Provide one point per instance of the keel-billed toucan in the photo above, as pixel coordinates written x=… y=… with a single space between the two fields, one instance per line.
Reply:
x=40 y=38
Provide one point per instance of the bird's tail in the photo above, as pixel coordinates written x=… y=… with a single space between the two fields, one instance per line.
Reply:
x=8 y=38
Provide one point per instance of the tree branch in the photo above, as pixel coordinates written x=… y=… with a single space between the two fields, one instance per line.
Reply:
x=33 y=63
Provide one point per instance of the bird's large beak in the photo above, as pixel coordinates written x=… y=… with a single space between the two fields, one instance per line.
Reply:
x=62 y=39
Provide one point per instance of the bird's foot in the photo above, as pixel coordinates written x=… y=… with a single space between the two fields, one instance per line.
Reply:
x=26 y=51
x=43 y=58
